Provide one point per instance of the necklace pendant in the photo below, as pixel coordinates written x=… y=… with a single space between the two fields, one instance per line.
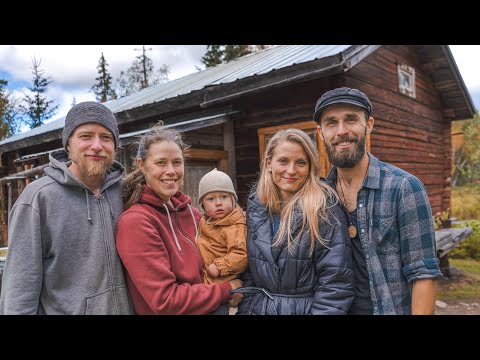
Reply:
x=352 y=230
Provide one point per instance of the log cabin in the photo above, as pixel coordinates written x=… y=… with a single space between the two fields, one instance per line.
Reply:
x=227 y=114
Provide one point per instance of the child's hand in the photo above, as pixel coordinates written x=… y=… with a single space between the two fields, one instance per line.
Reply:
x=235 y=300
x=212 y=270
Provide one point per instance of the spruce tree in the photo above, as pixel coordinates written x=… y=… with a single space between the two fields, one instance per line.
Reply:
x=10 y=120
x=220 y=54
x=38 y=108
x=103 y=89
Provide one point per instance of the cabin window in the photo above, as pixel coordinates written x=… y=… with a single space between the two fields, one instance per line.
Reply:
x=406 y=80
x=310 y=127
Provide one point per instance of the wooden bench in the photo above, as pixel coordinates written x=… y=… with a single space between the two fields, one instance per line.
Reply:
x=447 y=240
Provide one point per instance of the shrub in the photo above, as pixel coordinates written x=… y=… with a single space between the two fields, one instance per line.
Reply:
x=469 y=248
x=466 y=202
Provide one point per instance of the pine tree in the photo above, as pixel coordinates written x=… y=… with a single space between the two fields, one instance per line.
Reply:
x=213 y=56
x=220 y=54
x=10 y=121
x=467 y=156
x=103 y=89
x=140 y=75
x=38 y=108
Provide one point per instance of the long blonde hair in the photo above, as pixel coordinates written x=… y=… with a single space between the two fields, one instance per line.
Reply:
x=133 y=184
x=311 y=198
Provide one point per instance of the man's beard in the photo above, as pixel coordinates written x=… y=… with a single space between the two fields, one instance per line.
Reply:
x=347 y=159
x=90 y=167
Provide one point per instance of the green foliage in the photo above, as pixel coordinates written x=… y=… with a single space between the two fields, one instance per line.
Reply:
x=441 y=220
x=103 y=89
x=10 y=120
x=469 y=248
x=467 y=156
x=467 y=286
x=140 y=75
x=220 y=54
x=466 y=202
x=38 y=108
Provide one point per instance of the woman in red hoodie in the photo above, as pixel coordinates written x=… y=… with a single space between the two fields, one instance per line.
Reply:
x=156 y=234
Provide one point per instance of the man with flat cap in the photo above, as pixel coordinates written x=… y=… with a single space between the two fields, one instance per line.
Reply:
x=62 y=257
x=391 y=225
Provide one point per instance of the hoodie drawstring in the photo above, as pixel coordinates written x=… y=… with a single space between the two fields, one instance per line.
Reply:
x=194 y=221
x=109 y=204
x=171 y=227
x=89 y=216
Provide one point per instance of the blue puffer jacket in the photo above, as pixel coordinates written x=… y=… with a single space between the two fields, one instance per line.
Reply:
x=297 y=284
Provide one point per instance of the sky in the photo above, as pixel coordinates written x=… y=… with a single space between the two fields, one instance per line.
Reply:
x=73 y=68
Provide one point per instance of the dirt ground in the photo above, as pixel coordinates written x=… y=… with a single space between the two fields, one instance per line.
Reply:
x=459 y=306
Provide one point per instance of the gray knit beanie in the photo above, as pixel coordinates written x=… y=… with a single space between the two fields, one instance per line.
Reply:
x=215 y=181
x=89 y=112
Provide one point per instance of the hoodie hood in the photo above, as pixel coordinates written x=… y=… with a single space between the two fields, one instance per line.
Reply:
x=179 y=200
x=58 y=170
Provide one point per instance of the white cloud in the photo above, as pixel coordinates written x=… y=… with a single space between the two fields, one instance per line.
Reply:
x=73 y=68
x=467 y=58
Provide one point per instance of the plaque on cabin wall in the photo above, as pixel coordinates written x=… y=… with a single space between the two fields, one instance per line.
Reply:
x=406 y=80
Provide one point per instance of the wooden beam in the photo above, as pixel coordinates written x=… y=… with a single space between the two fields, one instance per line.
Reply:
x=23 y=174
x=206 y=154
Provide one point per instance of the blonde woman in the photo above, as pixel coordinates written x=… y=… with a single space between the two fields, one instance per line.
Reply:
x=299 y=254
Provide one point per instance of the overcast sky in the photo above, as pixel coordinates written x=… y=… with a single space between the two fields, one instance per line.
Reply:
x=73 y=68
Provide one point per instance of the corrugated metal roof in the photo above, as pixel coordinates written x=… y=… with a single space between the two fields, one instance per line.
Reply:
x=257 y=63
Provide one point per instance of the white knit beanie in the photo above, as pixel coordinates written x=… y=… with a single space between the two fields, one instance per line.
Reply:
x=215 y=181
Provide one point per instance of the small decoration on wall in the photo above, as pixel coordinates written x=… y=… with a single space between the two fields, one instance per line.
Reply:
x=406 y=80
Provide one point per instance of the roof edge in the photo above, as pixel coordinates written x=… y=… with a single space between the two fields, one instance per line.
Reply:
x=459 y=79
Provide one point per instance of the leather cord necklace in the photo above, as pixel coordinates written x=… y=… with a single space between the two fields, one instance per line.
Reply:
x=352 y=230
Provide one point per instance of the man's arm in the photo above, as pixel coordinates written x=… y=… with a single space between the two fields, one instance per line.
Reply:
x=23 y=274
x=417 y=243
x=423 y=296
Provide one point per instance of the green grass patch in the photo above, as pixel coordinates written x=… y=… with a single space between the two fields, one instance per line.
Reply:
x=3 y=252
x=466 y=202
x=465 y=286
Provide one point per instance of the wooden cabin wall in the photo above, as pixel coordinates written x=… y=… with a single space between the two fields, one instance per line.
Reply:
x=412 y=134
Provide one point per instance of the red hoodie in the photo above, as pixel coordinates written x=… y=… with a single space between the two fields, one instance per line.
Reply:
x=164 y=275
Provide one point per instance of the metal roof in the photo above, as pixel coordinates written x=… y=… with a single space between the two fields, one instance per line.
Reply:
x=253 y=64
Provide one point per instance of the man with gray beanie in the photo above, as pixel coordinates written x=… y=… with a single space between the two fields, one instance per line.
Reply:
x=62 y=257
x=391 y=226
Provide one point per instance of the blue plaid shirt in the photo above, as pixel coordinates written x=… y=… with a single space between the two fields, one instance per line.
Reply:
x=397 y=235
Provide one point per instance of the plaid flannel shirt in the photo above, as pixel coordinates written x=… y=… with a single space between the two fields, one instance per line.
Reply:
x=395 y=223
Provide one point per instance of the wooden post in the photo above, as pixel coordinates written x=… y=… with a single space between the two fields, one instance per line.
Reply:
x=445 y=266
x=229 y=146
x=27 y=167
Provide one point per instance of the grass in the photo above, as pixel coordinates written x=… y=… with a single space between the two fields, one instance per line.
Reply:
x=3 y=252
x=466 y=202
x=465 y=286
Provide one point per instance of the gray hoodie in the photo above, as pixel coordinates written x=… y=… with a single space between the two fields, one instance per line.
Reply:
x=62 y=257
